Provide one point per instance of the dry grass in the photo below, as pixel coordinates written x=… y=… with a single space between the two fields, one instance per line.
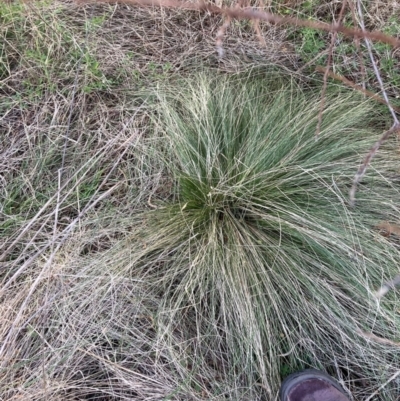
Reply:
x=56 y=341
x=77 y=165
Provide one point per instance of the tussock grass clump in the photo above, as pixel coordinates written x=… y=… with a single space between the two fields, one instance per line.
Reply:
x=256 y=254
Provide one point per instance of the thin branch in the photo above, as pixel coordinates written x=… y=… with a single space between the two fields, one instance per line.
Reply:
x=260 y=37
x=361 y=171
x=359 y=88
x=253 y=14
x=378 y=339
x=376 y=69
x=396 y=125
x=358 y=47
x=328 y=66
x=220 y=36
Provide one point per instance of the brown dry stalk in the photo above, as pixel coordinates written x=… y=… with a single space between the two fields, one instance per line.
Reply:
x=355 y=86
x=256 y=26
x=220 y=36
x=363 y=168
x=374 y=64
x=378 y=339
x=251 y=14
x=328 y=66
x=358 y=47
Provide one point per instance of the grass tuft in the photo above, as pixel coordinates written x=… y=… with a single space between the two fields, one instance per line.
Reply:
x=257 y=250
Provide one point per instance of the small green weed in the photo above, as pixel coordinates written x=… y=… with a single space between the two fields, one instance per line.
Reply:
x=158 y=71
x=96 y=22
x=312 y=42
x=95 y=78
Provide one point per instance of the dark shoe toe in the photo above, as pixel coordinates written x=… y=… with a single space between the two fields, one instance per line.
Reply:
x=311 y=385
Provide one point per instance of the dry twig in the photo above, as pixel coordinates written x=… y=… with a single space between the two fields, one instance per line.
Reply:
x=359 y=88
x=396 y=125
x=357 y=43
x=220 y=36
x=251 y=14
x=328 y=66
x=377 y=339
x=363 y=168
x=374 y=65
x=256 y=26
